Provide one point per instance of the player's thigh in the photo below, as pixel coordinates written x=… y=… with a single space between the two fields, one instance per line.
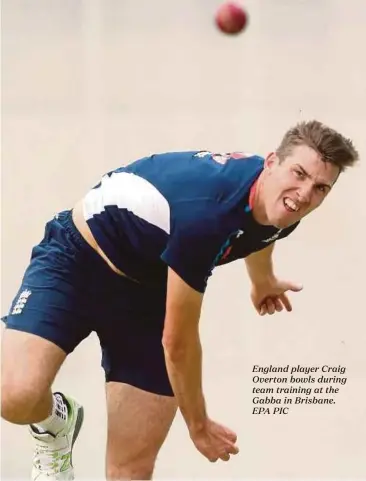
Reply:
x=141 y=404
x=47 y=318
x=130 y=334
x=138 y=424
x=37 y=338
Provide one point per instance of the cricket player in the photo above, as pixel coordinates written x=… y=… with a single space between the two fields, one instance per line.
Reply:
x=131 y=262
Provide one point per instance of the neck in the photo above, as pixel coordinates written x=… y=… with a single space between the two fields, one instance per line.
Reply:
x=256 y=201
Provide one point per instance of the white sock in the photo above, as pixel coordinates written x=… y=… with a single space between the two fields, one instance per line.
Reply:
x=57 y=421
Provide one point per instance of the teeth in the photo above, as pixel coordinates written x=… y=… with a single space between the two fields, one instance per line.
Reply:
x=291 y=204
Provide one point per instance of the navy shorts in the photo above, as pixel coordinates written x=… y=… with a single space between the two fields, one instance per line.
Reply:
x=68 y=291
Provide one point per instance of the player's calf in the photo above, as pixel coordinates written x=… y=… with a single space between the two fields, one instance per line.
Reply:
x=141 y=468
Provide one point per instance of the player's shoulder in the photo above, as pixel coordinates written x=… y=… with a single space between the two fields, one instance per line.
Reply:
x=234 y=172
x=224 y=157
x=221 y=177
x=233 y=163
x=201 y=159
x=237 y=158
x=226 y=175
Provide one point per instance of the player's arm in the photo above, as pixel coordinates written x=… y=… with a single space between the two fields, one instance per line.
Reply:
x=182 y=348
x=190 y=256
x=260 y=265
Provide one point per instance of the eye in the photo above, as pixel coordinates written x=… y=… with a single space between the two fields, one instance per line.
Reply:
x=322 y=189
x=299 y=173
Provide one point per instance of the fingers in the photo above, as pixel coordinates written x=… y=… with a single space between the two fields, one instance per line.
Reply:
x=286 y=302
x=267 y=307
x=231 y=439
x=217 y=443
x=270 y=306
x=225 y=456
x=231 y=436
x=275 y=304
x=211 y=459
x=271 y=309
x=233 y=449
x=278 y=304
x=262 y=310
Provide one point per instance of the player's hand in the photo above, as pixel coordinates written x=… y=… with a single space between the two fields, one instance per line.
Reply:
x=215 y=441
x=270 y=296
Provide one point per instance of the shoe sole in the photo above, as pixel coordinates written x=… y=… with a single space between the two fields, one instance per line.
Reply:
x=78 y=425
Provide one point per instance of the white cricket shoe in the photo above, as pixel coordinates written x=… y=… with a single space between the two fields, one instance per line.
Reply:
x=53 y=454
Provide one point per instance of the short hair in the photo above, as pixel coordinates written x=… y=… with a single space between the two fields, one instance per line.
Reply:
x=328 y=143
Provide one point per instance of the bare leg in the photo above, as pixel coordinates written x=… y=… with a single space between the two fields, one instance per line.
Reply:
x=29 y=365
x=138 y=424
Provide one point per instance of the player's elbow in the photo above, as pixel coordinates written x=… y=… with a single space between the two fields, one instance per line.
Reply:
x=174 y=348
x=177 y=346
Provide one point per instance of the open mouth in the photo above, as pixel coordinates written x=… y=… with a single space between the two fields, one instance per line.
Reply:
x=290 y=205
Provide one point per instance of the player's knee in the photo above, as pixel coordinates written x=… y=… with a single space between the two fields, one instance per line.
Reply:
x=141 y=468
x=18 y=402
x=29 y=364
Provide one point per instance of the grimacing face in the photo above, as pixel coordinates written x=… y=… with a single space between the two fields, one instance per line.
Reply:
x=294 y=187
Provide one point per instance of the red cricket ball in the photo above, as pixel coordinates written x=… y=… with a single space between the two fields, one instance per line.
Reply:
x=231 y=18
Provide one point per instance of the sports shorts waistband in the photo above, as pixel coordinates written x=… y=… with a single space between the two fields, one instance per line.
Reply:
x=66 y=218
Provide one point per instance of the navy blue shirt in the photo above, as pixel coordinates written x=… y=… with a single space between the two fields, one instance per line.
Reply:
x=186 y=210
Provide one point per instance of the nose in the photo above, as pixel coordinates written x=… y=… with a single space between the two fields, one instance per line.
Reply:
x=304 y=192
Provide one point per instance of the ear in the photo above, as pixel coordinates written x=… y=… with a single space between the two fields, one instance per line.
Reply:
x=270 y=160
